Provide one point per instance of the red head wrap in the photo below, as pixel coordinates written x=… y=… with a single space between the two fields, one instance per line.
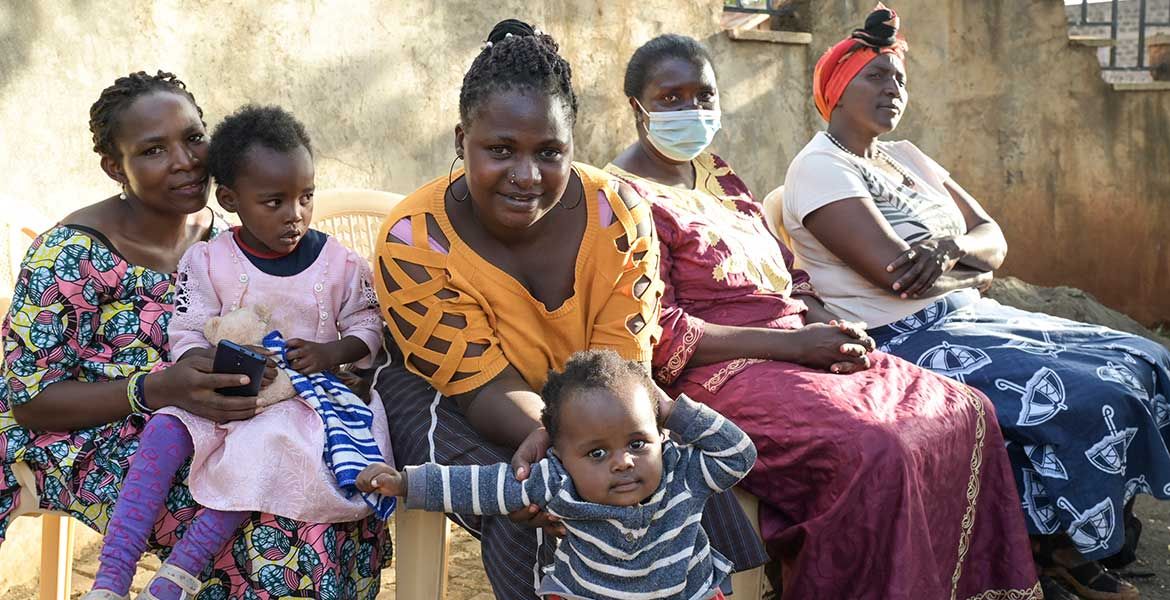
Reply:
x=839 y=64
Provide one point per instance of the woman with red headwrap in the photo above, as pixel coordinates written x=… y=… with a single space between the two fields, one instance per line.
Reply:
x=877 y=479
x=890 y=239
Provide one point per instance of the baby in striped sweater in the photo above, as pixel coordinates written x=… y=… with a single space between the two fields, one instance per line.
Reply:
x=630 y=498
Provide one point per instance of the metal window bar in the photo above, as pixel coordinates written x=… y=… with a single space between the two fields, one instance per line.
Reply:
x=777 y=10
x=1143 y=25
x=771 y=7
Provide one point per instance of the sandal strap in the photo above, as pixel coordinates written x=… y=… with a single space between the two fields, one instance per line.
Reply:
x=183 y=579
x=100 y=594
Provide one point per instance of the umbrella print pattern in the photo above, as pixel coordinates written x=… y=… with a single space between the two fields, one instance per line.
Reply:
x=1042 y=398
x=1044 y=458
x=954 y=360
x=1108 y=454
x=1038 y=506
x=1091 y=529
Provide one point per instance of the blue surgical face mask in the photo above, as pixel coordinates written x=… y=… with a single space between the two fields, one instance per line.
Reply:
x=681 y=134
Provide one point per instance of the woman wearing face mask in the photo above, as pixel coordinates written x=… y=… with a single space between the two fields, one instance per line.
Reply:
x=877 y=479
x=893 y=239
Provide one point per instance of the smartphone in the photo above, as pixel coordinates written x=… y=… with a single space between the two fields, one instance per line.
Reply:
x=235 y=359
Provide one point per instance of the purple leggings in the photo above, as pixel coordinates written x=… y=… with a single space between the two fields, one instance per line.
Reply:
x=164 y=446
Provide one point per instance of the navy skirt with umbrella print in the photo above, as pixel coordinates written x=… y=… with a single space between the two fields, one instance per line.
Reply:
x=1083 y=408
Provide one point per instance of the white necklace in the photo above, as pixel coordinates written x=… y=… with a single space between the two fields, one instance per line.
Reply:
x=877 y=153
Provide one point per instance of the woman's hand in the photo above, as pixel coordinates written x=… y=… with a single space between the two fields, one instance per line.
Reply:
x=839 y=348
x=857 y=331
x=381 y=478
x=531 y=451
x=190 y=384
x=927 y=260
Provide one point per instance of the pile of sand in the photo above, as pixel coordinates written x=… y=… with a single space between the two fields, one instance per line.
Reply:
x=1066 y=302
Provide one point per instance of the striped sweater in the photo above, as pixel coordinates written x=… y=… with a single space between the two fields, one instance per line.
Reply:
x=655 y=550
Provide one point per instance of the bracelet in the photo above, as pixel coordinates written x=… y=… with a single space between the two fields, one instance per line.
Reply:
x=136 y=393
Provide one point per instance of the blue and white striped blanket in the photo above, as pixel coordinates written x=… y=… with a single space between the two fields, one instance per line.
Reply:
x=349 y=438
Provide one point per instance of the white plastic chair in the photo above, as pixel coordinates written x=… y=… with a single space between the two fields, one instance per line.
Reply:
x=773 y=206
x=750 y=584
x=354 y=217
x=57 y=528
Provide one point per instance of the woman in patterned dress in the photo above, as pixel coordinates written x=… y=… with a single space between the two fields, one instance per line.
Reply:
x=892 y=240
x=91 y=308
x=882 y=459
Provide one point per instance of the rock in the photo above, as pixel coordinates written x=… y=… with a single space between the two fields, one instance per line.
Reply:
x=1066 y=302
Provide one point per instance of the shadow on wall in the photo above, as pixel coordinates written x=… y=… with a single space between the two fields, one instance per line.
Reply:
x=14 y=49
x=355 y=96
x=765 y=95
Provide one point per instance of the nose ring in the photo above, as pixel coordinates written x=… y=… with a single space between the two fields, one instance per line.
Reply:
x=512 y=178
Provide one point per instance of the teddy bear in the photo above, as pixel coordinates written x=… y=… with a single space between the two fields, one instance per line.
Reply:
x=247 y=326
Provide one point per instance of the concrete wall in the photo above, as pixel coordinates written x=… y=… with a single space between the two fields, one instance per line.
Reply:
x=1068 y=166
x=1074 y=172
x=377 y=83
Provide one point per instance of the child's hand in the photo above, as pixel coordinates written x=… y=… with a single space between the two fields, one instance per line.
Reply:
x=310 y=357
x=269 y=369
x=381 y=478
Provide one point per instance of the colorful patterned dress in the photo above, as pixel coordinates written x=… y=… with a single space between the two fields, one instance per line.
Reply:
x=80 y=311
x=887 y=483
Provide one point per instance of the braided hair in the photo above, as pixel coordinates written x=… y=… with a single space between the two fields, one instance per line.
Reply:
x=516 y=57
x=114 y=100
x=669 y=45
x=590 y=370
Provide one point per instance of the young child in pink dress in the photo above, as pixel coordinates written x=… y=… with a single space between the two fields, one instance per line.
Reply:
x=319 y=295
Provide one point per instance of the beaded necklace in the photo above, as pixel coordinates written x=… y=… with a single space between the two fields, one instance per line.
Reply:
x=878 y=153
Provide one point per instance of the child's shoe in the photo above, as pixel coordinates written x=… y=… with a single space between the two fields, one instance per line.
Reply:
x=173 y=583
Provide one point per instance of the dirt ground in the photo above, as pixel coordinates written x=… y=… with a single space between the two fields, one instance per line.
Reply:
x=466 y=580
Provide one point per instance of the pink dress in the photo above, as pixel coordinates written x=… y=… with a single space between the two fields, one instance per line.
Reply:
x=273 y=462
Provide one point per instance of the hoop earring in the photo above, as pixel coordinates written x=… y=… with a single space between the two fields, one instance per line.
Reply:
x=580 y=198
x=449 y=172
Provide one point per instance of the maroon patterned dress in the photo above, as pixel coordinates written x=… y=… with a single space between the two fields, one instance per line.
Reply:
x=889 y=483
